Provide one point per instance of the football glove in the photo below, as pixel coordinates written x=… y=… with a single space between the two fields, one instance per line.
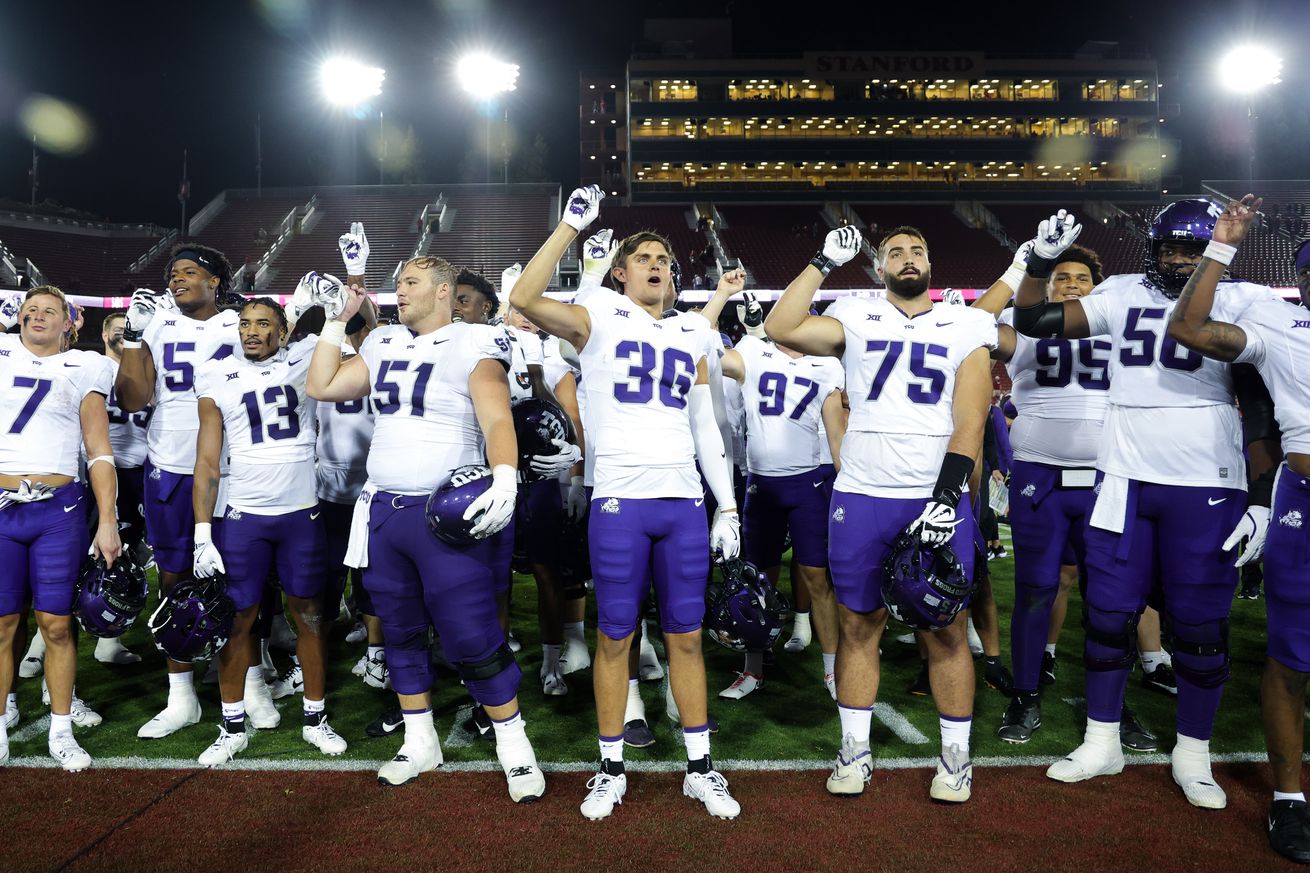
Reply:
x=576 y=502
x=1253 y=528
x=26 y=492
x=301 y=302
x=9 y=310
x=583 y=207
x=1054 y=235
x=839 y=246
x=508 y=277
x=952 y=297
x=597 y=255
x=936 y=524
x=725 y=535
x=140 y=312
x=354 y=249
x=494 y=507
x=751 y=315
x=550 y=466
x=205 y=559
x=324 y=290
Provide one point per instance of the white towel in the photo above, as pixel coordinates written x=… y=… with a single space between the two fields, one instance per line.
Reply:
x=357 y=545
x=1111 y=504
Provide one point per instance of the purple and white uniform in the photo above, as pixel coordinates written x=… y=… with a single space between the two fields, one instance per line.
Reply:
x=179 y=346
x=900 y=378
x=127 y=437
x=1172 y=487
x=272 y=520
x=43 y=543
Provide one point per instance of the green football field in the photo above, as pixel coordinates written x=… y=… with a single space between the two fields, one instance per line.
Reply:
x=791 y=720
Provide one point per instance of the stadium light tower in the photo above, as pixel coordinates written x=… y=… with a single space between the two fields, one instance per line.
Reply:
x=348 y=83
x=483 y=77
x=1248 y=69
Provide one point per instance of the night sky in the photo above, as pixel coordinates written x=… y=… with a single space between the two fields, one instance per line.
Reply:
x=150 y=78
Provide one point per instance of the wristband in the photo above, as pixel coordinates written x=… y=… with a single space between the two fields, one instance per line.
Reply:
x=1012 y=277
x=822 y=263
x=505 y=477
x=1039 y=267
x=107 y=459
x=356 y=324
x=1221 y=252
x=333 y=332
x=203 y=532
x=130 y=344
x=952 y=478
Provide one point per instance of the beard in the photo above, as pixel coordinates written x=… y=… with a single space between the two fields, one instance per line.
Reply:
x=910 y=286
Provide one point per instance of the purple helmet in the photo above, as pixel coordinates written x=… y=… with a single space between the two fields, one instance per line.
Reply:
x=109 y=599
x=194 y=620
x=449 y=500
x=743 y=609
x=1184 y=221
x=536 y=423
x=923 y=586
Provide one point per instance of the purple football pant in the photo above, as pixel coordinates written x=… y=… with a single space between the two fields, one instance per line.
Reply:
x=829 y=474
x=293 y=545
x=500 y=552
x=1047 y=523
x=539 y=519
x=1287 y=572
x=861 y=532
x=416 y=580
x=777 y=504
x=1172 y=537
x=170 y=519
x=42 y=547
x=336 y=532
x=632 y=540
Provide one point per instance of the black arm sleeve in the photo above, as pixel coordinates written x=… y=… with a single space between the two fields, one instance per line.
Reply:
x=991 y=455
x=1258 y=422
x=1046 y=319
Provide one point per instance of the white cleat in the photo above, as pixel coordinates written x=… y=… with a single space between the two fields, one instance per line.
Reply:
x=514 y=645
x=830 y=682
x=414 y=758
x=11 y=717
x=361 y=665
x=32 y=666
x=853 y=770
x=576 y=656
x=110 y=650
x=603 y=792
x=1087 y=762
x=260 y=711
x=83 y=715
x=800 y=638
x=183 y=710
x=376 y=674
x=72 y=757
x=1198 y=784
x=525 y=780
x=744 y=684
x=711 y=789
x=954 y=780
x=225 y=748
x=649 y=668
x=358 y=633
x=553 y=684
x=4 y=745
x=322 y=737
x=975 y=641
x=292 y=683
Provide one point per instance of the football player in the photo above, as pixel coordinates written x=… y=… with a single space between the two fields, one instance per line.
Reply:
x=55 y=401
x=166 y=338
x=1172 y=501
x=919 y=382
x=256 y=407
x=1275 y=337
x=792 y=401
x=643 y=375
x=441 y=399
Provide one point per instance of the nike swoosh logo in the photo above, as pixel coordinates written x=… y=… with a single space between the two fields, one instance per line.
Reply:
x=700 y=502
x=388 y=727
x=818 y=484
x=439 y=342
x=1214 y=502
x=688 y=329
x=313 y=515
x=70 y=508
x=72 y=365
x=944 y=323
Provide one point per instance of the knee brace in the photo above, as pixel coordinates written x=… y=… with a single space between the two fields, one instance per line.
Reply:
x=1201 y=651
x=494 y=680
x=1111 y=639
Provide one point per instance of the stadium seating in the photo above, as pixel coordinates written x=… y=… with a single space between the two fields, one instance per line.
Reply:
x=672 y=222
x=1120 y=246
x=81 y=258
x=775 y=242
x=961 y=256
x=490 y=230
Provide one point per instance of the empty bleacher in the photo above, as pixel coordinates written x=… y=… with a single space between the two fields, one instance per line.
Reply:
x=961 y=256
x=670 y=222
x=488 y=230
x=79 y=257
x=1121 y=246
x=775 y=242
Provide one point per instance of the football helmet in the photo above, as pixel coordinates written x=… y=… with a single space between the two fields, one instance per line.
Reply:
x=536 y=423
x=923 y=586
x=1183 y=221
x=743 y=610
x=109 y=599
x=194 y=620
x=449 y=500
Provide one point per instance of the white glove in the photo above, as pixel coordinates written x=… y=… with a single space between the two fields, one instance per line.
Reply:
x=725 y=535
x=1253 y=528
x=1055 y=234
x=597 y=255
x=9 y=310
x=576 y=502
x=205 y=560
x=751 y=315
x=936 y=524
x=324 y=290
x=140 y=312
x=301 y=302
x=26 y=492
x=842 y=244
x=583 y=207
x=952 y=297
x=508 y=278
x=553 y=465
x=354 y=249
x=495 y=507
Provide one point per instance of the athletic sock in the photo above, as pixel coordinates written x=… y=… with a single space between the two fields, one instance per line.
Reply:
x=955 y=732
x=550 y=657
x=1285 y=795
x=61 y=724
x=636 y=707
x=1151 y=660
x=755 y=664
x=611 y=755
x=575 y=630
x=856 y=723
x=801 y=620
x=182 y=683
x=511 y=737
x=697 y=741
x=829 y=663
x=1050 y=649
x=234 y=717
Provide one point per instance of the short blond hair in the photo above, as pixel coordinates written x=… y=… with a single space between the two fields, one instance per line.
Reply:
x=440 y=268
x=52 y=291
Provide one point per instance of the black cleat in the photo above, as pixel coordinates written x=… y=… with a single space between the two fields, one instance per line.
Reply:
x=1289 y=832
x=1048 y=670
x=638 y=734
x=1252 y=577
x=1021 y=718
x=480 y=723
x=1133 y=735
x=921 y=687
x=997 y=676
x=386 y=724
x=1161 y=679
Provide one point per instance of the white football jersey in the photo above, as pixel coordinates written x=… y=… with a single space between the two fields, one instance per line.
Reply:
x=179 y=345
x=900 y=378
x=424 y=422
x=1171 y=418
x=127 y=430
x=1278 y=344
x=1061 y=388
x=345 y=430
x=269 y=426
x=638 y=378
x=41 y=407
x=784 y=399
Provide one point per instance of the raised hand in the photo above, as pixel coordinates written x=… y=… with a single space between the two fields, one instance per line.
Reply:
x=582 y=207
x=1231 y=227
x=354 y=249
x=1055 y=234
x=842 y=244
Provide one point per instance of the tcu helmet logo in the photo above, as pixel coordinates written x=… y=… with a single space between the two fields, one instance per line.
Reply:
x=611 y=506
x=839 y=514
x=1292 y=519
x=465 y=475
